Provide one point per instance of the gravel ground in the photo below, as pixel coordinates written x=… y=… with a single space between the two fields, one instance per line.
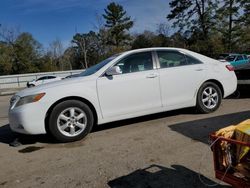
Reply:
x=156 y=151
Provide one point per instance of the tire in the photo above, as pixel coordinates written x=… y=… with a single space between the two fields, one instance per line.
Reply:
x=70 y=121
x=209 y=98
x=31 y=85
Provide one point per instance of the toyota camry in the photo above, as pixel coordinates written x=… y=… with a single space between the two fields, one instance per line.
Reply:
x=126 y=85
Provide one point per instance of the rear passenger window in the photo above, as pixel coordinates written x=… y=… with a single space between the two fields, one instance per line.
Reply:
x=239 y=58
x=171 y=59
x=192 y=60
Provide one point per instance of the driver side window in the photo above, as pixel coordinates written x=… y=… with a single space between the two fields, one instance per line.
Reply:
x=136 y=63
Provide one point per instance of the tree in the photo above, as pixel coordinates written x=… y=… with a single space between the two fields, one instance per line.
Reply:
x=193 y=15
x=178 y=40
x=27 y=52
x=163 y=29
x=118 y=23
x=150 y=39
x=245 y=27
x=245 y=18
x=8 y=34
x=141 y=41
x=85 y=44
x=56 y=51
x=6 y=53
x=228 y=22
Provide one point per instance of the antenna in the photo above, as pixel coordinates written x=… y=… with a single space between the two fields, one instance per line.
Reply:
x=75 y=29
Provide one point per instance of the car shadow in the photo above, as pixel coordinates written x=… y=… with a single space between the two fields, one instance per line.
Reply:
x=200 y=129
x=7 y=137
x=140 y=119
x=156 y=176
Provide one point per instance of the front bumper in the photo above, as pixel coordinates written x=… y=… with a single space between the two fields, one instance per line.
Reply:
x=28 y=119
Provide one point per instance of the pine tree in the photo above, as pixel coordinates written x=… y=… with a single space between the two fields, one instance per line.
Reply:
x=118 y=24
x=193 y=15
x=246 y=15
x=229 y=22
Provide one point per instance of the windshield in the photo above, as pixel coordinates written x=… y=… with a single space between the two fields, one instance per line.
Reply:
x=230 y=58
x=223 y=56
x=97 y=67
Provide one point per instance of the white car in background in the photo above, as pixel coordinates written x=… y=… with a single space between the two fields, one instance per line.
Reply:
x=43 y=80
x=127 y=85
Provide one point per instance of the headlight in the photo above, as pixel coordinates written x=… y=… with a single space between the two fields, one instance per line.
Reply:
x=13 y=101
x=27 y=99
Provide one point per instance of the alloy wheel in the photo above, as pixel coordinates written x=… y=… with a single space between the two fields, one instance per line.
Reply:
x=210 y=97
x=72 y=121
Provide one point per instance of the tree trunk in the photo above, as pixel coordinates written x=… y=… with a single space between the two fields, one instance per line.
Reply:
x=230 y=25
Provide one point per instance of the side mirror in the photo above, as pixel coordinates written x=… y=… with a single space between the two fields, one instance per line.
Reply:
x=115 y=70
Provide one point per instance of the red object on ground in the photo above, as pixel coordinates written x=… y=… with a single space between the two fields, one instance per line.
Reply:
x=229 y=178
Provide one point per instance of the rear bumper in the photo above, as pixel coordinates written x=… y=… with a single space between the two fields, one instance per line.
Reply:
x=229 y=85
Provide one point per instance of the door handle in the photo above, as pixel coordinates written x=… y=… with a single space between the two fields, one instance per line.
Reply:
x=198 y=69
x=151 y=76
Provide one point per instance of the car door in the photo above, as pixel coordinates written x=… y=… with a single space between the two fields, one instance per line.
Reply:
x=180 y=78
x=134 y=91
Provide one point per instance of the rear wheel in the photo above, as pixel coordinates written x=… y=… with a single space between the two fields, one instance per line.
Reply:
x=208 y=98
x=71 y=120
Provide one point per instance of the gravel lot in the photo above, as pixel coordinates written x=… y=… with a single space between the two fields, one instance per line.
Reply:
x=157 y=151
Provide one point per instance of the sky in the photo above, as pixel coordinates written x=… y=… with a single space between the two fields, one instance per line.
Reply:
x=48 y=20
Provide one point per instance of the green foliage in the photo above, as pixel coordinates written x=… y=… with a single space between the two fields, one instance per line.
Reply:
x=228 y=22
x=245 y=18
x=118 y=24
x=26 y=54
x=212 y=26
x=149 y=39
x=20 y=56
x=141 y=41
x=86 y=48
x=193 y=15
x=5 y=59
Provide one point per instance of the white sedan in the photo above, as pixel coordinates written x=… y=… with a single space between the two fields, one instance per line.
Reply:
x=127 y=85
x=43 y=80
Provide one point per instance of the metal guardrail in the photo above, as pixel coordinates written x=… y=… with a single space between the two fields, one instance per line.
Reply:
x=20 y=80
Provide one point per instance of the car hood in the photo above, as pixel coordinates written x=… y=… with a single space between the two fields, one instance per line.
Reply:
x=47 y=86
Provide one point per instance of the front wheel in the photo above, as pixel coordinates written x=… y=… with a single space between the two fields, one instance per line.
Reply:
x=70 y=121
x=31 y=85
x=208 y=98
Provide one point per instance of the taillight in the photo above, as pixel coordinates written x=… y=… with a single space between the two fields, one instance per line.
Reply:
x=230 y=67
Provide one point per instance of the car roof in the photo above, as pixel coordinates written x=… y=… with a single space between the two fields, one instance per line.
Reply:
x=237 y=54
x=154 y=49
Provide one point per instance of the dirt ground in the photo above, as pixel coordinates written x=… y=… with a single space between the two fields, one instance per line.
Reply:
x=156 y=151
